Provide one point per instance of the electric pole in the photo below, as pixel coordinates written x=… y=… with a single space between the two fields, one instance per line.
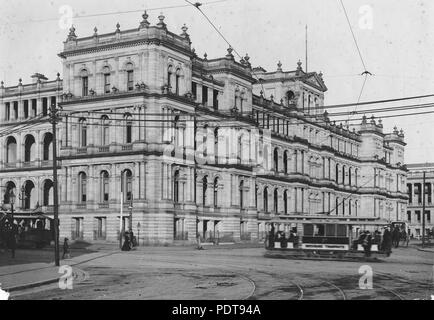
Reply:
x=54 y=117
x=423 y=210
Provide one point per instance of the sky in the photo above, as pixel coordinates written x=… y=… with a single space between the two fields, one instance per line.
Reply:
x=396 y=41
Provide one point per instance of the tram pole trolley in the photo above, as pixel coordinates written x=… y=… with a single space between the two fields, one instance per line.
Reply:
x=326 y=238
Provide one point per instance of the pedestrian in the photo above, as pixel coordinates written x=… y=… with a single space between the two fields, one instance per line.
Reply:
x=367 y=243
x=396 y=234
x=13 y=232
x=66 y=252
x=126 y=246
x=386 y=245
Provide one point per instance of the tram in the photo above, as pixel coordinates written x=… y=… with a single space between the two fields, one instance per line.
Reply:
x=33 y=229
x=323 y=238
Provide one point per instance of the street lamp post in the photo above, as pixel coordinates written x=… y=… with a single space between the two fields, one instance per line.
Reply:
x=12 y=198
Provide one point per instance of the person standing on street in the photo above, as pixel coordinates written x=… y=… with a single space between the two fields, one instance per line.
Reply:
x=66 y=254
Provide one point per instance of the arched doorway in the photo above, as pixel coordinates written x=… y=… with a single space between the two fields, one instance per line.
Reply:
x=48 y=147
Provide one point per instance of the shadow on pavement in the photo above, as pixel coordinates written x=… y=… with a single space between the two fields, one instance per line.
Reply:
x=44 y=255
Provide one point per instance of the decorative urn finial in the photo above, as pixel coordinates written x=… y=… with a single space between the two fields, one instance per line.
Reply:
x=299 y=68
x=72 y=35
x=118 y=27
x=95 y=32
x=161 y=24
x=145 y=23
x=279 y=66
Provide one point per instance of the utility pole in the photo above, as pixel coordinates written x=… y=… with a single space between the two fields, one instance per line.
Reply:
x=423 y=209
x=54 y=117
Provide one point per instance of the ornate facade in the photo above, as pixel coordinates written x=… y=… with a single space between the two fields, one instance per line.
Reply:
x=192 y=144
x=415 y=196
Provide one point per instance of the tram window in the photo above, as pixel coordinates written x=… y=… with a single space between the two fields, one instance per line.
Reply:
x=308 y=230
x=330 y=230
x=342 y=230
x=319 y=230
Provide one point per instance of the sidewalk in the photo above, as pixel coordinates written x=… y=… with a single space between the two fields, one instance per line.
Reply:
x=23 y=276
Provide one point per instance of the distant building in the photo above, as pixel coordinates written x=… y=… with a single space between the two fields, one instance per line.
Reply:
x=194 y=145
x=415 y=191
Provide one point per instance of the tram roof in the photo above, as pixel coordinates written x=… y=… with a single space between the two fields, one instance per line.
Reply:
x=320 y=219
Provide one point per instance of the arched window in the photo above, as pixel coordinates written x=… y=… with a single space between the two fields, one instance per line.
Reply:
x=48 y=193
x=105 y=186
x=29 y=200
x=127 y=185
x=169 y=77
x=216 y=144
x=241 y=191
x=82 y=187
x=204 y=189
x=275 y=202
x=256 y=196
x=48 y=147
x=85 y=86
x=11 y=150
x=29 y=148
x=10 y=188
x=106 y=73
x=290 y=95
x=350 y=203
x=176 y=187
x=216 y=188
x=276 y=160
x=130 y=76
x=285 y=201
x=337 y=206
x=177 y=78
x=240 y=149
x=266 y=199
x=105 y=131
x=128 y=129
x=285 y=162
x=349 y=176
x=337 y=173
x=343 y=175
x=82 y=132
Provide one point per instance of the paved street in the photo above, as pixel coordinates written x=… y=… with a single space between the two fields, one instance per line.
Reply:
x=234 y=273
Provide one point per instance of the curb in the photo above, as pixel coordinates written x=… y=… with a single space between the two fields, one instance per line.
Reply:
x=31 y=285
x=425 y=250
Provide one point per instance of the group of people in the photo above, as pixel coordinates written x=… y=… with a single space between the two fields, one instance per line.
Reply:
x=129 y=241
x=390 y=238
x=280 y=236
x=9 y=235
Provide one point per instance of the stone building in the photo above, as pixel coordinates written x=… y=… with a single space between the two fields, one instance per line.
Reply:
x=186 y=144
x=415 y=196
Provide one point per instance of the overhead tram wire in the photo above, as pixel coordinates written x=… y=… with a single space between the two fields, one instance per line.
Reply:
x=365 y=72
x=343 y=113
x=228 y=126
x=197 y=6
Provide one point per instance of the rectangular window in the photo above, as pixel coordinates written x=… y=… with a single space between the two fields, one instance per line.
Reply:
x=428 y=216
x=215 y=99
x=129 y=135
x=34 y=110
x=85 y=86
x=15 y=110
x=107 y=83
x=83 y=137
x=130 y=80
x=194 y=90
x=8 y=111
x=204 y=95
x=44 y=106
x=26 y=109
x=417 y=215
x=409 y=216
